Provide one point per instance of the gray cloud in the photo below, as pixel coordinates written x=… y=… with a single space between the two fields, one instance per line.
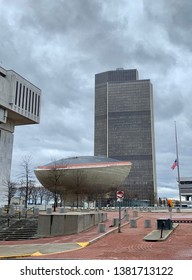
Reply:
x=175 y=17
x=60 y=45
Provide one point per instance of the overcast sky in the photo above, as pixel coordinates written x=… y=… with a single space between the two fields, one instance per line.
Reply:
x=60 y=45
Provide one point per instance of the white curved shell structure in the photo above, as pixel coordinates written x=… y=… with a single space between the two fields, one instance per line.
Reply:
x=86 y=174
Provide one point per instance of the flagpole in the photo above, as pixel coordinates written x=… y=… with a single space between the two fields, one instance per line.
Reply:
x=178 y=171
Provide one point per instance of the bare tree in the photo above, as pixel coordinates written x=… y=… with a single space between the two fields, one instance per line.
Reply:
x=91 y=196
x=33 y=194
x=11 y=191
x=48 y=196
x=56 y=179
x=79 y=178
x=152 y=198
x=21 y=191
x=27 y=176
x=57 y=171
x=42 y=192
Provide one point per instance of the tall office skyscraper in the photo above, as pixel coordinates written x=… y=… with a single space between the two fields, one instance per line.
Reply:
x=124 y=127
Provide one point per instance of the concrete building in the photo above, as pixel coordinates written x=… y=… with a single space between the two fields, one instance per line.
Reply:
x=186 y=188
x=124 y=127
x=19 y=105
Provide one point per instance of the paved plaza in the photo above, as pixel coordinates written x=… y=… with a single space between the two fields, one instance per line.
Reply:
x=127 y=243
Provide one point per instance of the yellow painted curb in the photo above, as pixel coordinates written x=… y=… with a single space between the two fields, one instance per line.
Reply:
x=15 y=256
x=83 y=244
x=36 y=254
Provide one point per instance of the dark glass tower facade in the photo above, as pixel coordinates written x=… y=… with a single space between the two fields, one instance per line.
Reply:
x=124 y=127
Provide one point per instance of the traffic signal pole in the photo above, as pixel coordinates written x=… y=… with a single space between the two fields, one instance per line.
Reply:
x=119 y=224
x=120 y=196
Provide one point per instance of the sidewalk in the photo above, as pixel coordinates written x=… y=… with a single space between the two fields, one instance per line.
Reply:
x=129 y=243
x=49 y=245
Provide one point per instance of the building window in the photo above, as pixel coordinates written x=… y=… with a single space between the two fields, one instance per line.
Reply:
x=16 y=93
x=29 y=107
x=23 y=97
x=32 y=105
x=20 y=88
x=26 y=99
x=38 y=105
x=35 y=104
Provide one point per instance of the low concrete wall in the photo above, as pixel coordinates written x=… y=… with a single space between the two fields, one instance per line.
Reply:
x=68 y=223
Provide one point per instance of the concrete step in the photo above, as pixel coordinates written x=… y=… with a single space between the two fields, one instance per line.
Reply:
x=21 y=229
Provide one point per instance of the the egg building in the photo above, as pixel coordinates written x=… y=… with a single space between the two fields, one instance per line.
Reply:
x=85 y=175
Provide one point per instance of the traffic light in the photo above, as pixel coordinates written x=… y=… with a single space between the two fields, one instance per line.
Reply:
x=170 y=203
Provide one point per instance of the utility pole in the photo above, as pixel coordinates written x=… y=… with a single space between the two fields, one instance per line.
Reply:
x=178 y=171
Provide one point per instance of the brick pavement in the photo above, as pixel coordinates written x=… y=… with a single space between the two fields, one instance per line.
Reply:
x=127 y=245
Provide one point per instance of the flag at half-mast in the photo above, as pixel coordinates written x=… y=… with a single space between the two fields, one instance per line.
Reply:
x=174 y=164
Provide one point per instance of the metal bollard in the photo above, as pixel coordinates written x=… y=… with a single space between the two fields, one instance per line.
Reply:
x=162 y=227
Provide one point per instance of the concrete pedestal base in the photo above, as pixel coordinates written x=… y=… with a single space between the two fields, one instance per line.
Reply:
x=147 y=223
x=68 y=223
x=133 y=223
x=101 y=227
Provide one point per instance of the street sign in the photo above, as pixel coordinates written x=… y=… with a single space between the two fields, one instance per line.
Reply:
x=120 y=194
